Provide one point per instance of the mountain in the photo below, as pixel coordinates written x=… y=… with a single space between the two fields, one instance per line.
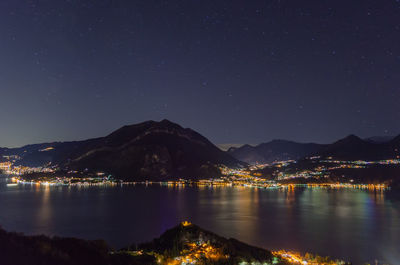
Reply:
x=276 y=150
x=156 y=150
x=348 y=148
x=146 y=151
x=354 y=148
x=351 y=147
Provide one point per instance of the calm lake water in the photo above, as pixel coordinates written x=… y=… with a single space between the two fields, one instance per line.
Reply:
x=355 y=225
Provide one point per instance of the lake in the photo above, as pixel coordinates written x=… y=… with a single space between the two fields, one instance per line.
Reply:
x=355 y=225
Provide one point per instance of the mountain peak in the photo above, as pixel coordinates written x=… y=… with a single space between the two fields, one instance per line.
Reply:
x=134 y=129
x=350 y=138
x=166 y=121
x=353 y=137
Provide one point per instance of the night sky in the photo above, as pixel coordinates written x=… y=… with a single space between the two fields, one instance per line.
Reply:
x=235 y=71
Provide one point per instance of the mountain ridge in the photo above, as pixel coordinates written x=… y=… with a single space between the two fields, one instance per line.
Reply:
x=149 y=150
x=350 y=147
x=275 y=150
x=354 y=148
x=164 y=149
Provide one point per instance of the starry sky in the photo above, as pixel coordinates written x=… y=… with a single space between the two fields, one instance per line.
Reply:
x=236 y=71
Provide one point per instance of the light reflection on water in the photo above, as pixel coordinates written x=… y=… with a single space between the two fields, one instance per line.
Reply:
x=357 y=225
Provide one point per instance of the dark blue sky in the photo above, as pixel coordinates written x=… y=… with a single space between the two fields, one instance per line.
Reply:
x=236 y=71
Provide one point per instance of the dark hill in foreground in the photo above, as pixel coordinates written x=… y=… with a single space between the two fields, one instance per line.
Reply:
x=187 y=240
x=149 y=150
x=183 y=244
x=175 y=244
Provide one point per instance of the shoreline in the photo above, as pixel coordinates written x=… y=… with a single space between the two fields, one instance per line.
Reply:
x=204 y=183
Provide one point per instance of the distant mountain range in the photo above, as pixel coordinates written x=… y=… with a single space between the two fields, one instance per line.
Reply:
x=349 y=148
x=379 y=139
x=355 y=148
x=164 y=150
x=276 y=150
x=149 y=150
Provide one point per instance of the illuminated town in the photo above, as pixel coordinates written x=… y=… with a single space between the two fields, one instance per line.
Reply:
x=252 y=176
